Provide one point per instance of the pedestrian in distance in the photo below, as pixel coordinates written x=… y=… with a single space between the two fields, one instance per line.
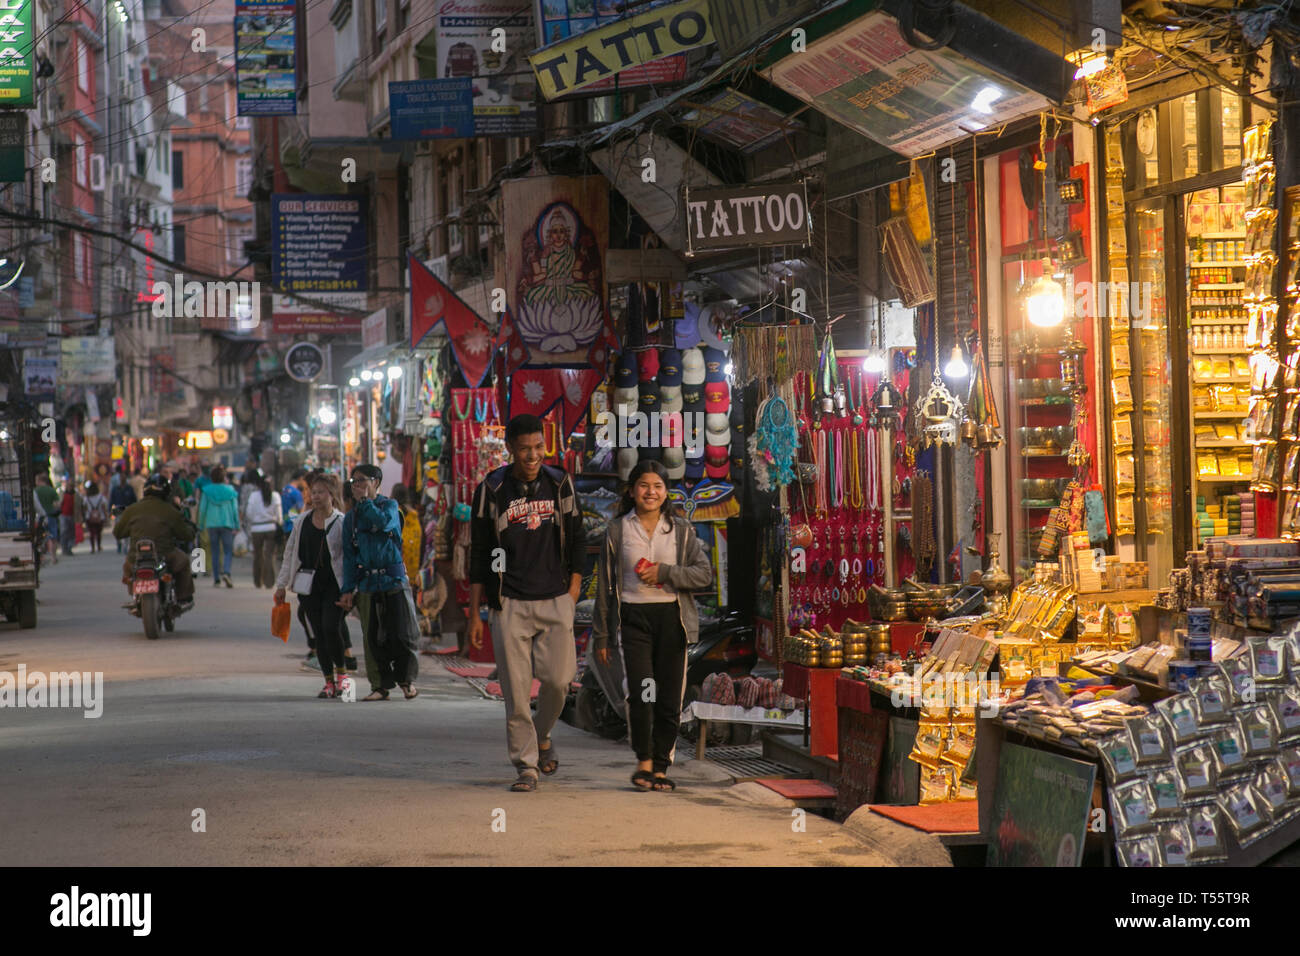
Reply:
x=71 y=513
x=96 y=516
x=262 y=516
x=292 y=497
x=47 y=512
x=374 y=578
x=313 y=566
x=650 y=563
x=136 y=481
x=526 y=560
x=219 y=517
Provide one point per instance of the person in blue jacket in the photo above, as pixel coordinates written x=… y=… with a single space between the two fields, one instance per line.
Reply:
x=219 y=517
x=374 y=578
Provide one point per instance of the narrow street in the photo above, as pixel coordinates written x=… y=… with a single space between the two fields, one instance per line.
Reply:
x=220 y=716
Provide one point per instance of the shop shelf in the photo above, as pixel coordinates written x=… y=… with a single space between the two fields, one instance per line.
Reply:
x=1235 y=320
x=1223 y=443
x=1223 y=416
x=1214 y=286
x=1219 y=479
x=1240 y=351
x=1218 y=265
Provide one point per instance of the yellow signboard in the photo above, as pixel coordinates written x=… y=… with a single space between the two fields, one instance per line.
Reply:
x=198 y=439
x=589 y=57
x=220 y=436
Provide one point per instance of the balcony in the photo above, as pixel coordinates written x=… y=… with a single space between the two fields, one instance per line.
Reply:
x=350 y=67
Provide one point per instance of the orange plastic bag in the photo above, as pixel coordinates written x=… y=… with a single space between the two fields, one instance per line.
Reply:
x=281 y=620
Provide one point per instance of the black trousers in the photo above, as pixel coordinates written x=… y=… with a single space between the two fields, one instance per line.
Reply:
x=389 y=636
x=325 y=619
x=311 y=636
x=654 y=655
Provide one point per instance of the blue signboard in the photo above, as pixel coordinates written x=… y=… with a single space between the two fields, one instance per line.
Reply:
x=265 y=58
x=318 y=243
x=432 y=109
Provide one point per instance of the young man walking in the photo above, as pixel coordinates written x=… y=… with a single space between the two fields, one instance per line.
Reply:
x=526 y=558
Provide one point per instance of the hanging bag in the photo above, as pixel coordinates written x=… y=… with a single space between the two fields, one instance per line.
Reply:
x=281 y=620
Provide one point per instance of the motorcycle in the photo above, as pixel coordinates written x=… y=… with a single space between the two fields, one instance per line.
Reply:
x=154 y=590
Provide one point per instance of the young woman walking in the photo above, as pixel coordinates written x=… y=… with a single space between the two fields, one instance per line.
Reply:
x=219 y=517
x=262 y=516
x=313 y=565
x=650 y=562
x=96 y=517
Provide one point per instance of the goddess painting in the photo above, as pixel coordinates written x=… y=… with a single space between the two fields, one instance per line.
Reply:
x=560 y=304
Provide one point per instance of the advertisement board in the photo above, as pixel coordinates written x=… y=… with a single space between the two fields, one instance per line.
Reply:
x=17 y=55
x=265 y=58
x=87 y=360
x=318 y=243
x=432 y=109
x=470 y=46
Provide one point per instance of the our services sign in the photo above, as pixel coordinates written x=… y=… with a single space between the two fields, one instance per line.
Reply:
x=868 y=77
x=588 y=58
x=734 y=217
x=17 y=54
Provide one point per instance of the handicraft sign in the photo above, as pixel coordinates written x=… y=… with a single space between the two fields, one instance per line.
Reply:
x=741 y=217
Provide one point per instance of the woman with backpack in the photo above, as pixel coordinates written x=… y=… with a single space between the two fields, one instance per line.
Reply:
x=96 y=516
x=262 y=516
x=649 y=564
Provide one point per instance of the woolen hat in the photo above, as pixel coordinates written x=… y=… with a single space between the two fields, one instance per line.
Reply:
x=670 y=397
x=717 y=430
x=626 y=400
x=693 y=372
x=650 y=397
x=675 y=462
x=717 y=463
x=693 y=397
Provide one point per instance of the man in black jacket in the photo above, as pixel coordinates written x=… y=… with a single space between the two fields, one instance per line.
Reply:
x=526 y=558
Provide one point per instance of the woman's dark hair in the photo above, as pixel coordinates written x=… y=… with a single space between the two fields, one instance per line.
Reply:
x=218 y=475
x=668 y=510
x=347 y=499
x=524 y=425
x=264 y=485
x=401 y=494
x=92 y=488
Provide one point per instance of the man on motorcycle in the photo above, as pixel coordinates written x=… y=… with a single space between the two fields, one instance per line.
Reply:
x=154 y=516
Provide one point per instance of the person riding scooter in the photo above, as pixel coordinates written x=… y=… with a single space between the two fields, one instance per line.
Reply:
x=154 y=516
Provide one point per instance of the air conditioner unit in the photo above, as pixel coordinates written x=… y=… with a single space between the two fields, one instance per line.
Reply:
x=97 y=172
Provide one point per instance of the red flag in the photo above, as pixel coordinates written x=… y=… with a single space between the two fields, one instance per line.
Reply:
x=534 y=391
x=508 y=337
x=579 y=384
x=432 y=303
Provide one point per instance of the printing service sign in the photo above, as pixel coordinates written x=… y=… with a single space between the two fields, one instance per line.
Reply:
x=265 y=58
x=318 y=243
x=582 y=61
x=868 y=77
x=504 y=94
x=17 y=57
x=739 y=217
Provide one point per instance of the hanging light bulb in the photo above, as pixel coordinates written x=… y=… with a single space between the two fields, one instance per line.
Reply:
x=956 y=367
x=394 y=372
x=353 y=382
x=1044 y=300
x=366 y=375
x=874 y=363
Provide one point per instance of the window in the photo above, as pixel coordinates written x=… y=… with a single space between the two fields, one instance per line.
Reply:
x=83 y=65
x=79 y=159
x=243 y=176
x=85 y=260
x=403 y=15
x=379 y=17
x=78 y=250
x=203 y=98
x=178 y=243
x=141 y=163
x=178 y=169
x=235 y=239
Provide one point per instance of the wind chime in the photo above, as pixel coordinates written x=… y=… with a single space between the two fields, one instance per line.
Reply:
x=980 y=428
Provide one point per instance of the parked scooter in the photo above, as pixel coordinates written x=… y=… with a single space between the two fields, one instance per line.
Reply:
x=154 y=591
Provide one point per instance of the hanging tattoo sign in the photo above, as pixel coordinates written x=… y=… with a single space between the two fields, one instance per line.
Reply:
x=741 y=217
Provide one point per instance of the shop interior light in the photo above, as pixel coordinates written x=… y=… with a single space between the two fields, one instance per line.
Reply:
x=1044 y=300
x=956 y=367
x=985 y=98
x=874 y=363
x=180 y=443
x=394 y=372
x=353 y=382
x=1089 y=63
x=366 y=375
x=146 y=442
x=327 y=415
x=4 y=434
x=285 y=437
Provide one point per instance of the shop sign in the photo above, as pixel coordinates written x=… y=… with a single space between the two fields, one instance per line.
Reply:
x=40 y=375
x=200 y=440
x=558 y=19
x=602 y=53
x=868 y=77
x=318 y=250
x=1040 y=808
x=87 y=360
x=432 y=109
x=13 y=146
x=739 y=24
x=374 y=329
x=470 y=46
x=304 y=362
x=741 y=121
x=747 y=216
x=223 y=416
x=265 y=58
x=337 y=312
x=220 y=436
x=17 y=54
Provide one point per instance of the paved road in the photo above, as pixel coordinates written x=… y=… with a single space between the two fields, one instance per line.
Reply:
x=221 y=717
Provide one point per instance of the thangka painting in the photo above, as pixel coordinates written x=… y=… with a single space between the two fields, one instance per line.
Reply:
x=557 y=231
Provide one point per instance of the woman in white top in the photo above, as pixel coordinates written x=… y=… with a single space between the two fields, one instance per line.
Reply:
x=262 y=519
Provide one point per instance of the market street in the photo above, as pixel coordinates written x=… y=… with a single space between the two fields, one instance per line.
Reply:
x=221 y=717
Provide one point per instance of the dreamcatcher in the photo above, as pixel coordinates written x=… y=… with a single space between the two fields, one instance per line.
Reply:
x=774 y=444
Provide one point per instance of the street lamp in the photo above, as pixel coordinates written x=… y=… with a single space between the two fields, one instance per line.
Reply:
x=394 y=372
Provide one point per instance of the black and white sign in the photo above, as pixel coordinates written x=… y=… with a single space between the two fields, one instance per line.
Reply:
x=740 y=217
x=304 y=362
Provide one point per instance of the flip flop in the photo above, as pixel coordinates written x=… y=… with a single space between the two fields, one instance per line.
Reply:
x=408 y=691
x=526 y=782
x=664 y=784
x=376 y=695
x=548 y=758
x=643 y=777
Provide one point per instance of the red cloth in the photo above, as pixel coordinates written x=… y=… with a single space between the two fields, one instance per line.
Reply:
x=959 y=816
x=817 y=684
x=799 y=789
x=68 y=504
x=853 y=695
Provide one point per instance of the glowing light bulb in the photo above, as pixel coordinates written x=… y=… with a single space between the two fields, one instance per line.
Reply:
x=956 y=367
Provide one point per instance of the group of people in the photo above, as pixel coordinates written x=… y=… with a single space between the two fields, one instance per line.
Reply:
x=62 y=511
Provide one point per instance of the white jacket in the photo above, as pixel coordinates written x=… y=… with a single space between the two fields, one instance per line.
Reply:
x=333 y=540
x=259 y=516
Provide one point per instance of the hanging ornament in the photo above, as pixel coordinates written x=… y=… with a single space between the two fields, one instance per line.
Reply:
x=773 y=445
x=942 y=411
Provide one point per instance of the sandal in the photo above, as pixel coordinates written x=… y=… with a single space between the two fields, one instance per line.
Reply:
x=664 y=784
x=526 y=782
x=408 y=691
x=376 y=695
x=643 y=777
x=548 y=760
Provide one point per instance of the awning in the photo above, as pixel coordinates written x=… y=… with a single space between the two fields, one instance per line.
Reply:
x=377 y=354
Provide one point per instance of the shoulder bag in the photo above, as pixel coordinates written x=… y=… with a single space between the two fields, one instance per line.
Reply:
x=303 y=579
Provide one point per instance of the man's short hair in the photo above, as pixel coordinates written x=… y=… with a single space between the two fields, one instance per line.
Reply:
x=298 y=473
x=522 y=425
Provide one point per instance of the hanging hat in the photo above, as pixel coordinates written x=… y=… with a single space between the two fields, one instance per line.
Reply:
x=670 y=397
x=627 y=459
x=693 y=397
x=717 y=463
x=670 y=367
x=650 y=397
x=694 y=467
x=626 y=400
x=693 y=372
x=648 y=360
x=671 y=432
x=693 y=431
x=715 y=365
x=717 y=397
x=675 y=462
x=625 y=371
x=717 y=430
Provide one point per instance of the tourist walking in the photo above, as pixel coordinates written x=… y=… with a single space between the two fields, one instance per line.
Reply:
x=219 y=517
x=262 y=516
x=96 y=516
x=530 y=512
x=650 y=562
